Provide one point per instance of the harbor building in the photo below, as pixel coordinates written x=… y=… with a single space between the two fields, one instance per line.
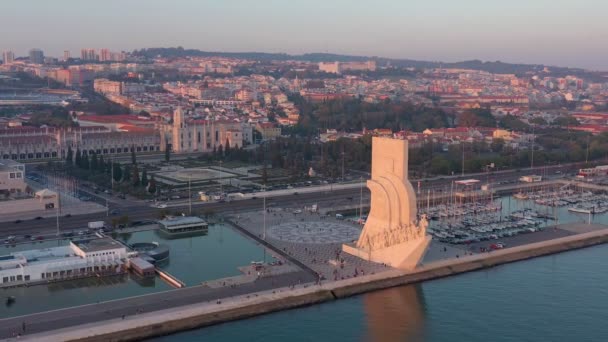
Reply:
x=183 y=224
x=82 y=258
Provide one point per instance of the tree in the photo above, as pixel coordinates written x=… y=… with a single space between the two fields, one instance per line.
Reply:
x=69 y=158
x=439 y=166
x=101 y=164
x=152 y=185
x=227 y=150
x=513 y=123
x=477 y=117
x=497 y=144
x=220 y=151
x=133 y=157
x=167 y=153
x=78 y=158
x=538 y=121
x=85 y=162
x=135 y=176
x=144 y=178
x=117 y=172
x=566 y=120
x=94 y=164
x=127 y=172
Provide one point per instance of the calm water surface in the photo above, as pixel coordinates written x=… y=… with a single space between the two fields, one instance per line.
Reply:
x=555 y=298
x=193 y=259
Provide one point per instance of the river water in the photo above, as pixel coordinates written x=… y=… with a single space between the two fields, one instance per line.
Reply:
x=562 y=297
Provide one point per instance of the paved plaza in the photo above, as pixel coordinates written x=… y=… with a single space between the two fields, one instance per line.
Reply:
x=176 y=175
x=313 y=232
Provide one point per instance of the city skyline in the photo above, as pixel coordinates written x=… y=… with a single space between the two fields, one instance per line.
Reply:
x=546 y=32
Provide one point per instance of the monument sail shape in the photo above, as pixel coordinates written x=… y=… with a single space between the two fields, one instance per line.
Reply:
x=393 y=233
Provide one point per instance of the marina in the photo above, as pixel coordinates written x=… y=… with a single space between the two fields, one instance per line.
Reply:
x=193 y=259
x=489 y=218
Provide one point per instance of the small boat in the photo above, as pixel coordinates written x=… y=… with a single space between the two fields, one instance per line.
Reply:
x=10 y=300
x=521 y=196
x=581 y=210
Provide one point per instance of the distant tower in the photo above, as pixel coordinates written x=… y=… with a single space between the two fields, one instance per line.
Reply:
x=8 y=57
x=36 y=56
x=178 y=118
x=178 y=130
x=66 y=55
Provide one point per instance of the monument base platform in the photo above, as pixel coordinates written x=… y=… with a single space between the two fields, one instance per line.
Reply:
x=405 y=256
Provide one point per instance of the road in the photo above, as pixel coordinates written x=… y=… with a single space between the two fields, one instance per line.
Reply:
x=63 y=318
x=138 y=211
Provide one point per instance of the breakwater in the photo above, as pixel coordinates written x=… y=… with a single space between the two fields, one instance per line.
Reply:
x=198 y=315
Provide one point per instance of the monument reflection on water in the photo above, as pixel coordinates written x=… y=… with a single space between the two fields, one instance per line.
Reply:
x=395 y=314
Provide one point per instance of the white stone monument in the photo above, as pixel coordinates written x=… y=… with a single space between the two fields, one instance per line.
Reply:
x=393 y=234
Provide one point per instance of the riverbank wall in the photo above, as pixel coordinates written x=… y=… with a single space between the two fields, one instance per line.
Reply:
x=204 y=314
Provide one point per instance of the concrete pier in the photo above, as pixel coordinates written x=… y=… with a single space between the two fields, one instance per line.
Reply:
x=202 y=314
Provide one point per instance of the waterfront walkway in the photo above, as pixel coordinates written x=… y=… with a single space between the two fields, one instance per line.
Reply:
x=129 y=307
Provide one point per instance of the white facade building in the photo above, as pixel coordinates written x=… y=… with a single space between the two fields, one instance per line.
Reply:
x=79 y=259
x=187 y=136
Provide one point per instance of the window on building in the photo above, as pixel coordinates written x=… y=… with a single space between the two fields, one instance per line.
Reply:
x=19 y=175
x=12 y=175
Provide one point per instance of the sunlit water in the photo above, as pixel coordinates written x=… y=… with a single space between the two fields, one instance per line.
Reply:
x=555 y=298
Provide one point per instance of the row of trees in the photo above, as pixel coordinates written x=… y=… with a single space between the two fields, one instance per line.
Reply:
x=355 y=114
x=92 y=167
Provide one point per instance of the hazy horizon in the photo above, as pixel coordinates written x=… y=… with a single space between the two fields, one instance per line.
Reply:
x=558 y=32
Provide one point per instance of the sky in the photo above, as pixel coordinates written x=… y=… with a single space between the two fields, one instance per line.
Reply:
x=553 y=32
